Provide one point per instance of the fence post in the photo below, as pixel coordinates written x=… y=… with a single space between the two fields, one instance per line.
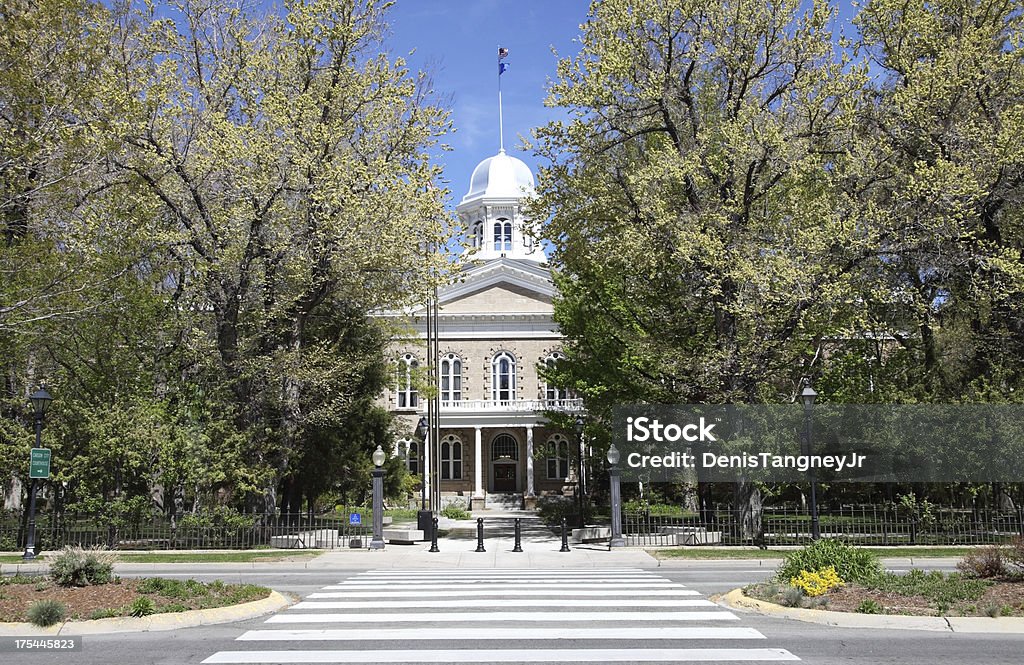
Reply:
x=565 y=538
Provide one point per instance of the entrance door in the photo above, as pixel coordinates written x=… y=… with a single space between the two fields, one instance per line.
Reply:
x=504 y=477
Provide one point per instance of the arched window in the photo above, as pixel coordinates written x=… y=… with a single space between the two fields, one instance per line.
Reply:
x=503 y=235
x=451 y=378
x=552 y=393
x=407 y=396
x=477 y=235
x=558 y=457
x=504 y=446
x=503 y=377
x=451 y=458
x=412 y=457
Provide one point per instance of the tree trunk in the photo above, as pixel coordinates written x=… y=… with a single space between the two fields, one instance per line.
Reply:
x=748 y=509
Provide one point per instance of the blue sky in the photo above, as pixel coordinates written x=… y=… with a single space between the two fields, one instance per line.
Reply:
x=457 y=41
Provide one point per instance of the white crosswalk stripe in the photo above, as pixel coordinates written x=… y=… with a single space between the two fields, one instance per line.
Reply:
x=473 y=616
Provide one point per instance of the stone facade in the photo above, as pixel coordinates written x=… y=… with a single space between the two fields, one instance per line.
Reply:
x=502 y=304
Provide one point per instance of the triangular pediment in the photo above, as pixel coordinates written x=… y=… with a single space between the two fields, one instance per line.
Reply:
x=501 y=285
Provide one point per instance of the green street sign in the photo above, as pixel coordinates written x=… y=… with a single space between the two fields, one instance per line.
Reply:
x=39 y=463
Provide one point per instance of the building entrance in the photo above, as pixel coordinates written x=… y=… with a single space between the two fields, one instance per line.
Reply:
x=504 y=477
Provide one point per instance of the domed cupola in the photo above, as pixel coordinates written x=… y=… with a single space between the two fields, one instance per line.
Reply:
x=492 y=209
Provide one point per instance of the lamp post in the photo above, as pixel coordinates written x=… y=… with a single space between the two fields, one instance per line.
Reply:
x=40 y=401
x=377 y=542
x=579 y=469
x=614 y=474
x=807 y=396
x=424 y=517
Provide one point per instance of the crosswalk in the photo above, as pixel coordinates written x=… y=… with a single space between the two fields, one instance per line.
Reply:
x=503 y=616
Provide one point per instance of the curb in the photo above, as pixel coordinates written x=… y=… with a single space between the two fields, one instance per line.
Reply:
x=155 y=622
x=737 y=600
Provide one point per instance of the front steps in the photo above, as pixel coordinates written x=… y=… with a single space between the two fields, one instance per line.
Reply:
x=508 y=501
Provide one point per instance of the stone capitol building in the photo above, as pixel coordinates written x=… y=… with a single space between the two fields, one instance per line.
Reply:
x=495 y=326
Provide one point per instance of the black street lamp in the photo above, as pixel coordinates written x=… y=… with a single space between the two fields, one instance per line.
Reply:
x=377 y=542
x=614 y=474
x=807 y=396
x=424 y=518
x=579 y=469
x=40 y=401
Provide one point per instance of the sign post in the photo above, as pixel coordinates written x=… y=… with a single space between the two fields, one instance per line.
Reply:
x=39 y=463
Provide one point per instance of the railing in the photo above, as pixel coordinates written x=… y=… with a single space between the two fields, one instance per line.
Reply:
x=246 y=531
x=525 y=405
x=859 y=526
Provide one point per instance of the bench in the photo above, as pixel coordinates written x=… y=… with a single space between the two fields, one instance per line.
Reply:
x=692 y=535
x=403 y=536
x=591 y=534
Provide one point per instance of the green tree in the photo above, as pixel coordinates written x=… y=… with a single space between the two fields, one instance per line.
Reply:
x=691 y=202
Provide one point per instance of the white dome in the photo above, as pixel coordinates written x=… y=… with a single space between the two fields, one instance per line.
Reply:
x=500 y=177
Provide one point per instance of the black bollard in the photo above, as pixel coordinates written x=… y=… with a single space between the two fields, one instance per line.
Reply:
x=480 y=535
x=433 y=537
x=565 y=538
x=519 y=546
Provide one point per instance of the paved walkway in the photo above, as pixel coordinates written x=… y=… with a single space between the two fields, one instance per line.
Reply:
x=540 y=545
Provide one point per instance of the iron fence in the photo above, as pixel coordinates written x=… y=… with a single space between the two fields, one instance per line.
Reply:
x=870 y=525
x=245 y=531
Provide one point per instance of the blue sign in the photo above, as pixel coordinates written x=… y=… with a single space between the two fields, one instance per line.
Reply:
x=355 y=518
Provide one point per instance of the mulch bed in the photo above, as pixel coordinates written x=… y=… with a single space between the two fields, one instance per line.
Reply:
x=1008 y=596
x=111 y=599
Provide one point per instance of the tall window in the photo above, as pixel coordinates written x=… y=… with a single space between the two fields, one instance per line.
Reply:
x=503 y=377
x=558 y=457
x=412 y=457
x=451 y=458
x=504 y=446
x=503 y=235
x=552 y=393
x=407 y=396
x=451 y=378
x=477 y=234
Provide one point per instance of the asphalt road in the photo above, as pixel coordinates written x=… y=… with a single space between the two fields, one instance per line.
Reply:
x=780 y=638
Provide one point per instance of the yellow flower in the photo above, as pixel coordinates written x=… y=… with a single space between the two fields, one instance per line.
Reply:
x=818 y=582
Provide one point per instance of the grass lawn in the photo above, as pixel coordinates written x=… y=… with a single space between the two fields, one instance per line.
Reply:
x=243 y=556
x=246 y=556
x=735 y=553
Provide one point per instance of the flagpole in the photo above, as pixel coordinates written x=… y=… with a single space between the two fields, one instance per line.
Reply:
x=501 y=121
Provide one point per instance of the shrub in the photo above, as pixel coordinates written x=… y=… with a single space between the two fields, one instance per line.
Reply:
x=1013 y=555
x=993 y=610
x=816 y=583
x=984 y=562
x=105 y=613
x=141 y=607
x=46 y=612
x=850 y=563
x=870 y=606
x=551 y=510
x=792 y=597
x=76 y=566
x=940 y=588
x=454 y=512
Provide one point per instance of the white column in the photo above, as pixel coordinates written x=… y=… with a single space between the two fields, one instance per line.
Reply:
x=478 y=461
x=529 y=460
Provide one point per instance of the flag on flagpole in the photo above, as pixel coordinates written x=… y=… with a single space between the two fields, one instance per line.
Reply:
x=502 y=66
